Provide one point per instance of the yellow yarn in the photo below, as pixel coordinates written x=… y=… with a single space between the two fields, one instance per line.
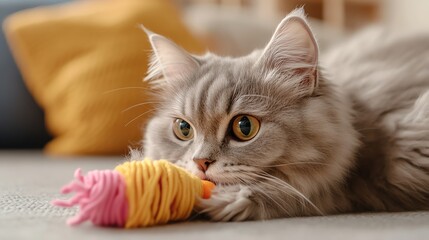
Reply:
x=150 y=202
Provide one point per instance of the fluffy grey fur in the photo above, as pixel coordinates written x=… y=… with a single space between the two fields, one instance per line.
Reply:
x=356 y=141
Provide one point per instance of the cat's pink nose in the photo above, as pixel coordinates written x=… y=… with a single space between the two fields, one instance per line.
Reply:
x=203 y=163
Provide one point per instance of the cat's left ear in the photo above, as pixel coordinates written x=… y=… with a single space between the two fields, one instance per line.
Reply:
x=293 y=51
x=168 y=60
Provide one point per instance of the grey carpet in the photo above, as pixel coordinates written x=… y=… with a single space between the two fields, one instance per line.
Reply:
x=30 y=180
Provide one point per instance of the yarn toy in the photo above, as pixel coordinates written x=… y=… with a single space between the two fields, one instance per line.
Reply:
x=135 y=194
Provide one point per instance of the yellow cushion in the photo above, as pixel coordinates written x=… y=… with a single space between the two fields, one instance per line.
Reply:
x=84 y=63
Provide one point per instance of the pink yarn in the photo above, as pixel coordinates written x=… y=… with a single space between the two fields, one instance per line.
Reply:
x=101 y=196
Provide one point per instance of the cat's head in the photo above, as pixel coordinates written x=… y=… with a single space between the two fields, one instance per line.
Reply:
x=233 y=119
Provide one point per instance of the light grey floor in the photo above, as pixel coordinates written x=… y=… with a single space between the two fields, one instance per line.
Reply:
x=29 y=180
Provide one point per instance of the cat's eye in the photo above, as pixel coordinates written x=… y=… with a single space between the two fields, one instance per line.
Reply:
x=245 y=127
x=183 y=130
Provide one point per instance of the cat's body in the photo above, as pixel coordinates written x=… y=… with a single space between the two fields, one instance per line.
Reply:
x=356 y=139
x=388 y=83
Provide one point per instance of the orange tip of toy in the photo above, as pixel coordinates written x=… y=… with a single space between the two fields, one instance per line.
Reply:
x=207 y=189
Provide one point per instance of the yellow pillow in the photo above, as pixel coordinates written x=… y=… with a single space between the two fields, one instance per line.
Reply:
x=84 y=63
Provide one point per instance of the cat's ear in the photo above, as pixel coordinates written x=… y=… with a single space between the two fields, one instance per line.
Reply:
x=168 y=60
x=293 y=52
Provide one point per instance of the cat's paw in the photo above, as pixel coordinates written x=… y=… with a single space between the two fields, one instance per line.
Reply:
x=228 y=203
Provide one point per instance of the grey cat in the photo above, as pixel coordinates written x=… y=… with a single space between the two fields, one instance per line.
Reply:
x=281 y=138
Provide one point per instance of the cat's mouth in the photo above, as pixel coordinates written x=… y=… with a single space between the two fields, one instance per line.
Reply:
x=221 y=176
x=217 y=179
x=221 y=179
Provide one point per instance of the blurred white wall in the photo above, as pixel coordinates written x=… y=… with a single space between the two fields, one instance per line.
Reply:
x=406 y=14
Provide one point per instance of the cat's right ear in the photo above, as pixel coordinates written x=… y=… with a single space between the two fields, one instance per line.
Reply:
x=169 y=61
x=292 y=52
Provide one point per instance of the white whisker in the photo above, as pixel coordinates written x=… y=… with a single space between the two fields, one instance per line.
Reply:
x=125 y=88
x=285 y=184
x=139 y=116
x=277 y=187
x=262 y=191
x=139 y=104
x=291 y=164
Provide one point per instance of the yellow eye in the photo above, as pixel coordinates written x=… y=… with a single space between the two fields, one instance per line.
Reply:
x=245 y=127
x=183 y=130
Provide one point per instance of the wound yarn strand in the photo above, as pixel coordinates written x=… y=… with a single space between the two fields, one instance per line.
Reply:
x=135 y=194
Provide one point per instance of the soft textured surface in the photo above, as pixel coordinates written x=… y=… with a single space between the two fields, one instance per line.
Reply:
x=29 y=181
x=84 y=63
